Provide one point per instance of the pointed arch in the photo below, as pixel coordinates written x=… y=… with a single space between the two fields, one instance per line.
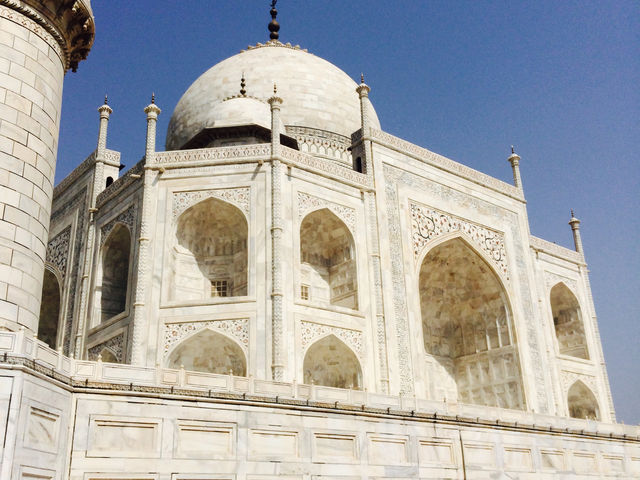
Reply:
x=567 y=322
x=330 y=362
x=116 y=254
x=211 y=352
x=107 y=355
x=50 y=305
x=328 y=264
x=582 y=402
x=210 y=255
x=467 y=329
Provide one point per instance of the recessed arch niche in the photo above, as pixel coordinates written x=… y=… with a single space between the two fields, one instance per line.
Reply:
x=49 y=309
x=467 y=330
x=210 y=252
x=328 y=266
x=582 y=402
x=331 y=363
x=567 y=322
x=116 y=254
x=211 y=352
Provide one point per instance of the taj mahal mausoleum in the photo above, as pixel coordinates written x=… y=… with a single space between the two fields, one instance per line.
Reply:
x=282 y=290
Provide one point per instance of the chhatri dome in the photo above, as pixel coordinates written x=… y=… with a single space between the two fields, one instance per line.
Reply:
x=317 y=95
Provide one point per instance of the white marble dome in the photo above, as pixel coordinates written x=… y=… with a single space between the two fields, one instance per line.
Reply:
x=316 y=93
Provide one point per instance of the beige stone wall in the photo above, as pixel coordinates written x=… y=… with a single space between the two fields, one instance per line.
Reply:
x=31 y=75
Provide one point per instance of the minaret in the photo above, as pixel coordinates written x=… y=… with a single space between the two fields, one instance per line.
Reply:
x=575 y=227
x=514 y=160
x=62 y=32
x=277 y=308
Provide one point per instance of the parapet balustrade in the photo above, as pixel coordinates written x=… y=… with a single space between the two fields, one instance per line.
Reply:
x=23 y=350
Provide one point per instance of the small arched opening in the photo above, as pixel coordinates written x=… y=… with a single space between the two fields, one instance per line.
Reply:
x=211 y=352
x=49 y=309
x=567 y=321
x=210 y=253
x=108 y=356
x=467 y=332
x=108 y=182
x=115 y=272
x=582 y=402
x=328 y=271
x=331 y=363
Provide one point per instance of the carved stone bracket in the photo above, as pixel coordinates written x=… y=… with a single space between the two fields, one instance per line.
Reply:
x=237 y=328
x=311 y=331
x=127 y=217
x=308 y=203
x=552 y=279
x=115 y=345
x=58 y=251
x=240 y=197
x=428 y=223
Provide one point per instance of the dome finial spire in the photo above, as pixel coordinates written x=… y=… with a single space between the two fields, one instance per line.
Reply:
x=243 y=92
x=274 y=26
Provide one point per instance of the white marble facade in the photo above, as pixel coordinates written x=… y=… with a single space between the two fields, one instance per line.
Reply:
x=285 y=248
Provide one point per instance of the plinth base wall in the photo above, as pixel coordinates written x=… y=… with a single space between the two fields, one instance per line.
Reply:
x=57 y=432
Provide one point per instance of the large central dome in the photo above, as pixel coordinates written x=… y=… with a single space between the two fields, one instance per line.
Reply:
x=316 y=94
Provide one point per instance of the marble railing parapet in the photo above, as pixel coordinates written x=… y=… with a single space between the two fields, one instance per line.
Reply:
x=18 y=349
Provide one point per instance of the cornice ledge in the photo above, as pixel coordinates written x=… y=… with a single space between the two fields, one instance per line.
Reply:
x=540 y=245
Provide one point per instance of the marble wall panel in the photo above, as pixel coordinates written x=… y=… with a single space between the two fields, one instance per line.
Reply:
x=114 y=436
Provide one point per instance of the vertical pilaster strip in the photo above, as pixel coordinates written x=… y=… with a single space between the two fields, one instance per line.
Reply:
x=277 y=311
x=87 y=263
x=370 y=205
x=140 y=327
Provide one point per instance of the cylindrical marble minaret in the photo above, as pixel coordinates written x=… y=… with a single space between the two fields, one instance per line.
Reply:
x=40 y=41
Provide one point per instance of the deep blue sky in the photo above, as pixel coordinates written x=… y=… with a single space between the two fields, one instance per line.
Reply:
x=465 y=79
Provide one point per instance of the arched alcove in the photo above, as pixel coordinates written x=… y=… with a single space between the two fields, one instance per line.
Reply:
x=108 y=356
x=582 y=402
x=467 y=332
x=49 y=309
x=328 y=271
x=331 y=363
x=115 y=272
x=211 y=352
x=567 y=320
x=210 y=253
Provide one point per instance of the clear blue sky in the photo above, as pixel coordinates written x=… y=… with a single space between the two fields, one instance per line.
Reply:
x=466 y=79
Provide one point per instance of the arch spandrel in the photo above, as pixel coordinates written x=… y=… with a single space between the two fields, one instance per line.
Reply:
x=308 y=204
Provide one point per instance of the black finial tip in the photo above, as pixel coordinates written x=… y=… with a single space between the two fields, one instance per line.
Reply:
x=153 y=97
x=106 y=98
x=274 y=26
x=512 y=149
x=243 y=92
x=572 y=215
x=275 y=89
x=362 y=78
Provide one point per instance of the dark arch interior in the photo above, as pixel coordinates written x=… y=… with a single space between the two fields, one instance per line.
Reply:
x=49 y=309
x=331 y=363
x=115 y=272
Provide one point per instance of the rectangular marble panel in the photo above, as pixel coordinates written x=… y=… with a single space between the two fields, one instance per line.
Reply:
x=388 y=449
x=42 y=430
x=634 y=465
x=612 y=464
x=584 y=462
x=436 y=452
x=518 y=459
x=335 y=447
x=552 y=460
x=196 y=439
x=120 y=437
x=32 y=473
x=480 y=454
x=273 y=444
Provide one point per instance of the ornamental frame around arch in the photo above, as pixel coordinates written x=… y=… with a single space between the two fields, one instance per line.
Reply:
x=327 y=330
x=239 y=197
x=319 y=338
x=308 y=204
x=211 y=326
x=186 y=338
x=589 y=386
x=572 y=289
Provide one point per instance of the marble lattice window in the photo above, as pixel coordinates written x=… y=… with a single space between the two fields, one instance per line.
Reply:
x=331 y=363
x=567 y=322
x=470 y=348
x=328 y=264
x=49 y=309
x=209 y=257
x=115 y=272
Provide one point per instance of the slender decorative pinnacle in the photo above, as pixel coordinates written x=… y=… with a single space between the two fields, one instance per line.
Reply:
x=106 y=98
x=572 y=215
x=153 y=98
x=512 y=150
x=275 y=89
x=274 y=26
x=361 y=77
x=243 y=92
